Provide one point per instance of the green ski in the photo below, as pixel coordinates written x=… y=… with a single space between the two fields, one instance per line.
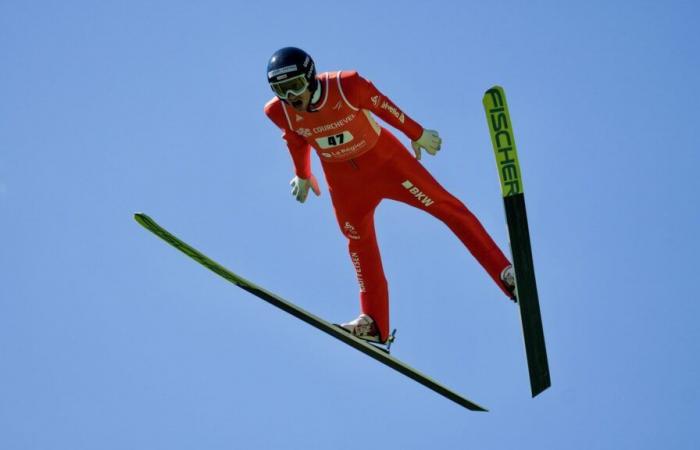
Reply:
x=379 y=354
x=501 y=129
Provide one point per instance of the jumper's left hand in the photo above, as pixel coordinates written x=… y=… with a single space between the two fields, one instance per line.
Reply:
x=429 y=140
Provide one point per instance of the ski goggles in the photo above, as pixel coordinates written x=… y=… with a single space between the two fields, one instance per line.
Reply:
x=295 y=86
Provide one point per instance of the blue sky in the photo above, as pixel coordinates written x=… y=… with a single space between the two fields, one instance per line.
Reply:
x=110 y=339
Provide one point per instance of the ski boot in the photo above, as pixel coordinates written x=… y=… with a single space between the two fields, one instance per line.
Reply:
x=364 y=328
x=508 y=279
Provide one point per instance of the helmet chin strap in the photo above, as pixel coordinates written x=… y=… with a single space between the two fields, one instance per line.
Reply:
x=316 y=96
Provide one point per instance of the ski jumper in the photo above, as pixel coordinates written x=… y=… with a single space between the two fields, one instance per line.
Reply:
x=364 y=163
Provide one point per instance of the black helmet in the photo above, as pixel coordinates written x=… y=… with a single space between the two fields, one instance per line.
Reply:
x=292 y=70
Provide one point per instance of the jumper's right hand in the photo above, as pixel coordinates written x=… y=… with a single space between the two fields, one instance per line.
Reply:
x=300 y=187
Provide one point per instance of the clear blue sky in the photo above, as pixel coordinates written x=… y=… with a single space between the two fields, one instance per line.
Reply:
x=109 y=339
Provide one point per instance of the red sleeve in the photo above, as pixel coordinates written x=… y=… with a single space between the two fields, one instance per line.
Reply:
x=362 y=94
x=299 y=149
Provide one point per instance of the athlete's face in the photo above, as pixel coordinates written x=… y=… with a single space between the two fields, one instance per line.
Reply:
x=300 y=102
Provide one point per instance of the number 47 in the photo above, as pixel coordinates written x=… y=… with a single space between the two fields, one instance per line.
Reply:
x=336 y=140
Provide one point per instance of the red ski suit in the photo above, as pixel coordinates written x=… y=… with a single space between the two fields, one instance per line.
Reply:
x=364 y=163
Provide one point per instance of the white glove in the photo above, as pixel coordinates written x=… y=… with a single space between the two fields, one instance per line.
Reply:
x=300 y=187
x=429 y=140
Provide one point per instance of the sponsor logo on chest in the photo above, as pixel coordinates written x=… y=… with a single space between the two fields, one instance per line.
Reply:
x=305 y=132
x=322 y=129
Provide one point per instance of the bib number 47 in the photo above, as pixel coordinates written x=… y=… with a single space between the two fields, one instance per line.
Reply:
x=334 y=140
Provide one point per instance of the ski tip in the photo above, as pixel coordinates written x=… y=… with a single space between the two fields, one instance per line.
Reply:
x=495 y=87
x=141 y=218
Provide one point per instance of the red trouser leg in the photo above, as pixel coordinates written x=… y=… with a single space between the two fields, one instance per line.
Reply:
x=374 y=292
x=409 y=182
x=354 y=210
